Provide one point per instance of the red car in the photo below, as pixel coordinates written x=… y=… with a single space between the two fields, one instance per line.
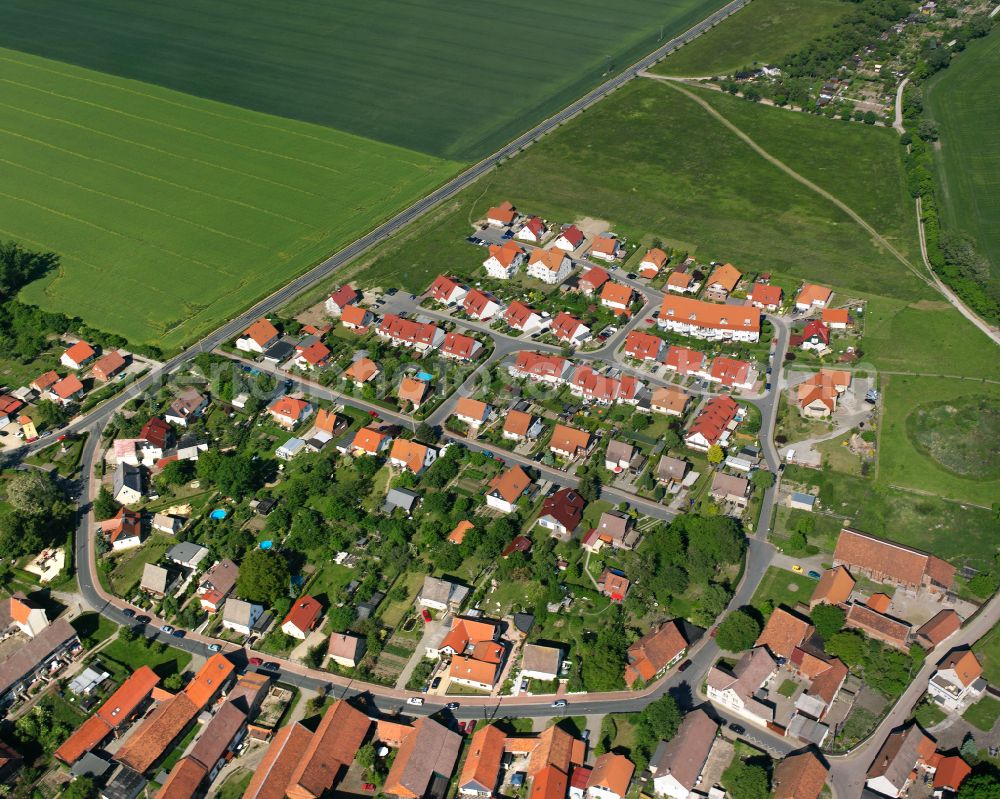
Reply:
x=368 y=786
x=426 y=614
x=373 y=414
x=256 y=662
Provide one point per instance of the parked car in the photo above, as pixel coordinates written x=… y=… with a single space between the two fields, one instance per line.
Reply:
x=271 y=666
x=166 y=628
x=524 y=685
x=739 y=729
x=425 y=614
x=415 y=700
x=214 y=648
x=452 y=706
x=128 y=613
x=815 y=575
x=435 y=683
x=255 y=661
x=631 y=276
x=373 y=414
x=559 y=703
x=143 y=619
x=368 y=786
x=178 y=633
x=684 y=666
x=796 y=568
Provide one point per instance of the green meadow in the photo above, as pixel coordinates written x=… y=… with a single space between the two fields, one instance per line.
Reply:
x=762 y=32
x=172 y=213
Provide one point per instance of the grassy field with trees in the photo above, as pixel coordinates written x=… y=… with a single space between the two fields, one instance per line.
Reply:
x=763 y=32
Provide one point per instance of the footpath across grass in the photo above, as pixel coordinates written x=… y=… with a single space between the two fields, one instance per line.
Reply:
x=762 y=32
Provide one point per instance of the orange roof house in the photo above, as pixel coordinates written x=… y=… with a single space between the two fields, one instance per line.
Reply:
x=886 y=561
x=591 y=280
x=654 y=652
x=303 y=616
x=262 y=333
x=836 y=317
x=516 y=424
x=833 y=588
x=568 y=441
x=611 y=775
x=687 y=313
x=369 y=441
x=355 y=316
x=289 y=411
x=87 y=736
x=935 y=630
x=652 y=262
x=107 y=366
x=951 y=773
x=879 y=602
x=273 y=774
x=412 y=390
x=68 y=388
x=330 y=752
x=503 y=214
x=966 y=666
x=616 y=296
x=457 y=536
x=549 y=783
x=606 y=247
x=811 y=295
x=410 y=455
x=210 y=680
x=314 y=354
x=643 y=346
x=472 y=410
x=508 y=486
x=327 y=421
x=184 y=781
x=361 y=371
x=482 y=764
x=77 y=355
x=45 y=381
x=670 y=400
x=679 y=281
x=800 y=776
x=157 y=732
x=613 y=585
x=783 y=632
x=724 y=278
x=764 y=295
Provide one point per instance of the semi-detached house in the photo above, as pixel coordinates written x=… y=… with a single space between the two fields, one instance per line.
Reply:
x=420 y=336
x=536 y=366
x=549 y=266
x=504 y=260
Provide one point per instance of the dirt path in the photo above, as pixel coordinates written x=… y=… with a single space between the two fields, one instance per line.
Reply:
x=898 y=121
x=933 y=281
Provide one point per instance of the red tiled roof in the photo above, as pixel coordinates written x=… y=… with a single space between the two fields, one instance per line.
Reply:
x=653 y=652
x=710 y=315
x=834 y=587
x=68 y=387
x=288 y=407
x=109 y=365
x=765 y=294
x=476 y=302
x=156 y=432
x=84 y=738
x=517 y=315
x=184 y=780
x=411 y=453
x=605 y=245
x=304 y=614
x=551 y=258
x=315 y=354
x=729 y=371
x=273 y=774
x=943 y=624
x=458 y=345
x=655 y=256
x=407 y=330
x=353 y=315
x=594 y=278
x=537 y=364
x=344 y=296
x=573 y=235
x=565 y=326
x=80 y=352
x=685 y=361
x=549 y=783
x=836 y=316
x=783 y=632
x=714 y=418
x=262 y=332
x=331 y=750
x=569 y=439
x=895 y=561
x=800 y=776
x=641 y=345
x=951 y=772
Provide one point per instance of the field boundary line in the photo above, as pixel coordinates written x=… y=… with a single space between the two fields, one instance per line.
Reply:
x=116 y=198
x=159 y=150
x=112 y=231
x=147 y=176
x=168 y=126
x=746 y=139
x=232 y=117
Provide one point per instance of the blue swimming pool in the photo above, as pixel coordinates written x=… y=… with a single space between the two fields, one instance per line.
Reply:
x=219 y=513
x=266 y=544
x=426 y=377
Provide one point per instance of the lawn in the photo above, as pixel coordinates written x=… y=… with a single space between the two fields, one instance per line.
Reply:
x=191 y=208
x=418 y=75
x=127 y=571
x=782 y=587
x=961 y=102
x=984 y=714
x=133 y=654
x=987 y=649
x=942 y=436
x=787 y=687
x=762 y=32
x=958 y=533
x=93 y=628
x=652 y=162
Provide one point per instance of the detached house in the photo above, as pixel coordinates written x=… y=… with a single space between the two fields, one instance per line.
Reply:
x=814 y=336
x=592 y=280
x=654 y=653
x=811 y=297
x=958 y=681
x=472 y=412
x=260 y=336
x=721 y=282
x=442 y=595
x=412 y=391
x=534 y=230
x=652 y=262
x=127 y=484
x=644 y=346
x=817 y=397
x=549 y=266
x=616 y=296
x=568 y=442
x=569 y=329
x=302 y=618
x=411 y=456
x=569 y=239
x=476 y=654
x=562 y=512
x=346 y=649
x=190 y=404
x=461 y=348
x=241 y=617
x=312 y=355
x=504 y=260
x=447 y=290
x=124 y=529
x=507 y=488
x=606 y=247
x=520 y=317
x=669 y=400
x=677 y=764
x=78 y=355
x=108 y=366
x=341 y=299
x=611 y=777
x=682 y=282
x=361 y=371
x=800 y=776
x=368 y=441
x=354 y=317
x=67 y=390
x=503 y=215
x=481 y=306
x=289 y=411
x=765 y=296
x=520 y=426
x=709 y=321
x=836 y=318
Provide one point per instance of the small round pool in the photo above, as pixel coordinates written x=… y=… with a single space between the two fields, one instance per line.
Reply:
x=219 y=513
x=266 y=544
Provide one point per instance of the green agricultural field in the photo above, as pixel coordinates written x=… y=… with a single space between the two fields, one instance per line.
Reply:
x=962 y=101
x=942 y=436
x=457 y=80
x=761 y=33
x=653 y=162
x=172 y=213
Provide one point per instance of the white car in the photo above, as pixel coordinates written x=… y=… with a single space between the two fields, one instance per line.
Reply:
x=415 y=700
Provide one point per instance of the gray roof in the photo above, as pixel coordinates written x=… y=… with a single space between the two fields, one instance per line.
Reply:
x=807 y=729
x=684 y=755
x=161 y=521
x=236 y=611
x=222 y=576
x=729 y=485
x=442 y=591
x=750 y=673
x=803 y=499
x=90 y=765
x=155 y=578
x=619 y=451
x=214 y=740
x=126 y=784
x=400 y=498
x=543 y=659
x=671 y=468
x=26 y=659
x=435 y=753
x=898 y=756
x=127 y=476
x=187 y=552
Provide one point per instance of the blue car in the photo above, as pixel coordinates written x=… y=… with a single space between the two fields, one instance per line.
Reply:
x=814 y=574
x=178 y=633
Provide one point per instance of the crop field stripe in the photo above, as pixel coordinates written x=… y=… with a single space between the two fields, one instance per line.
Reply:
x=192 y=227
